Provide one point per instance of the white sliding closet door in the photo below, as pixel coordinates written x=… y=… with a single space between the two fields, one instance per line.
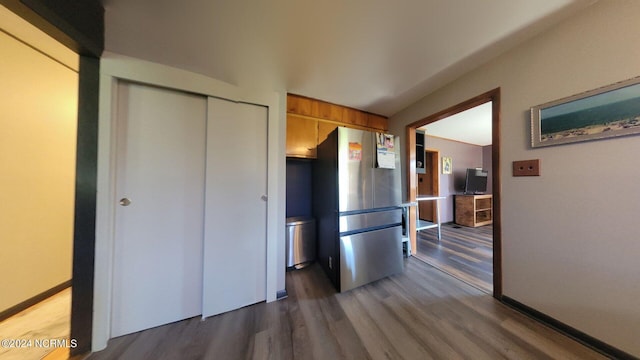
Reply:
x=236 y=207
x=157 y=276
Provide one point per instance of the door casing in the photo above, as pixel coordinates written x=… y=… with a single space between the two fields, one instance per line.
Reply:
x=492 y=96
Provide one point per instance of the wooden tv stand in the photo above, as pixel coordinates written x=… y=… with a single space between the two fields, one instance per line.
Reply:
x=474 y=210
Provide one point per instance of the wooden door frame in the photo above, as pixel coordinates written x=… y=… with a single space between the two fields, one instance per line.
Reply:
x=492 y=96
x=433 y=173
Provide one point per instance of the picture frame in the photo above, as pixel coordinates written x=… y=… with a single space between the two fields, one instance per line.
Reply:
x=447 y=165
x=609 y=111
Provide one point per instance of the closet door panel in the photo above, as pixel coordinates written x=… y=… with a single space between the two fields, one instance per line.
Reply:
x=235 y=207
x=157 y=276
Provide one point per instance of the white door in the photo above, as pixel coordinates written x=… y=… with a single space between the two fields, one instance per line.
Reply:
x=236 y=207
x=157 y=275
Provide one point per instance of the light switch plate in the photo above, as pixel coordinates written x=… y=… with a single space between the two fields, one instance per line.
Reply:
x=526 y=167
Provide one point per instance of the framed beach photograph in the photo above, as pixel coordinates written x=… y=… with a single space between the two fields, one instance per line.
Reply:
x=605 y=112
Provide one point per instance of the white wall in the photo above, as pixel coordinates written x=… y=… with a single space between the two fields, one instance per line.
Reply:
x=570 y=236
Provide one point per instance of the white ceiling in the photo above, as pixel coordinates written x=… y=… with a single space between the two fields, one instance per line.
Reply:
x=375 y=55
x=472 y=126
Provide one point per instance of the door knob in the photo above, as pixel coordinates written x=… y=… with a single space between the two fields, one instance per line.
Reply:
x=264 y=197
x=125 y=202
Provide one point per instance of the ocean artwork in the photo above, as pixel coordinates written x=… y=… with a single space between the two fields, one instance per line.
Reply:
x=607 y=112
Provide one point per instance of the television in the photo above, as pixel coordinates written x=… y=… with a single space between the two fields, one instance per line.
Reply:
x=476 y=181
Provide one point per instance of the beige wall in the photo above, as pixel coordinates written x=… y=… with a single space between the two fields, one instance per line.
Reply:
x=570 y=236
x=38 y=102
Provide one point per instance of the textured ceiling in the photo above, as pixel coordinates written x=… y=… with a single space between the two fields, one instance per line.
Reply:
x=374 y=55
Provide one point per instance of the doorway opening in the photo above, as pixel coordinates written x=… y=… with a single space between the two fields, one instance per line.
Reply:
x=38 y=137
x=469 y=251
x=429 y=184
x=84 y=36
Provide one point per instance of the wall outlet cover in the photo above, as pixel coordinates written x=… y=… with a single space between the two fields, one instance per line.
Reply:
x=526 y=167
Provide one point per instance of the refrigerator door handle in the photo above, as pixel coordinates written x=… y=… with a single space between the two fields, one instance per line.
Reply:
x=372 y=219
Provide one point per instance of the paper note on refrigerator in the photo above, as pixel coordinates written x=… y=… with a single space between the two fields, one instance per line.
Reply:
x=385 y=151
x=355 y=151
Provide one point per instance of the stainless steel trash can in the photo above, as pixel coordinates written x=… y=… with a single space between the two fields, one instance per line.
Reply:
x=301 y=241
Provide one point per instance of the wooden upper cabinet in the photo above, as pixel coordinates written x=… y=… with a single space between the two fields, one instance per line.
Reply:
x=377 y=122
x=323 y=110
x=364 y=120
x=299 y=105
x=354 y=117
x=309 y=121
x=302 y=136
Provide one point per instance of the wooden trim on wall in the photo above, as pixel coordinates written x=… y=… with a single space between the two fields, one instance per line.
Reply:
x=341 y=115
x=412 y=184
x=465 y=105
x=497 y=193
x=494 y=97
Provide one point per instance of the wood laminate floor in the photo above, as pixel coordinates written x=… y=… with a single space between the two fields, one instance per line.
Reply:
x=422 y=313
x=464 y=252
x=49 y=319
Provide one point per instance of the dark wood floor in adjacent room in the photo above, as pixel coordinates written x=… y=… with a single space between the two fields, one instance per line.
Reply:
x=420 y=314
x=464 y=252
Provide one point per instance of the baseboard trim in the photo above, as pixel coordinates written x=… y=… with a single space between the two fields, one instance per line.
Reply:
x=5 y=314
x=569 y=331
x=281 y=294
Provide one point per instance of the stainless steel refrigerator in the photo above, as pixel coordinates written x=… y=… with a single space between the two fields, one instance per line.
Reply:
x=357 y=197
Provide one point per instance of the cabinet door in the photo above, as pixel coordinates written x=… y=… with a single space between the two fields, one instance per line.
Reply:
x=299 y=105
x=302 y=136
x=377 y=122
x=323 y=110
x=464 y=210
x=354 y=117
